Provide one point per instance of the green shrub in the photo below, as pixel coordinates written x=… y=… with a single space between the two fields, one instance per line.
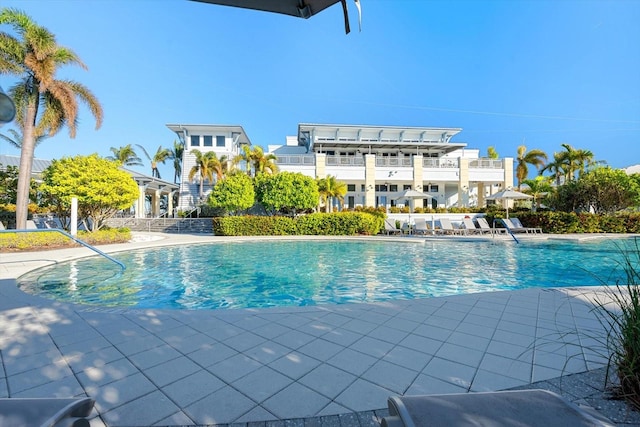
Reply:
x=50 y=240
x=336 y=224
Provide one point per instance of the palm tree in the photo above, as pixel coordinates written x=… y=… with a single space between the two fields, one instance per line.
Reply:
x=538 y=188
x=492 y=153
x=578 y=160
x=524 y=158
x=126 y=155
x=558 y=168
x=43 y=104
x=176 y=155
x=206 y=165
x=17 y=137
x=329 y=188
x=257 y=161
x=161 y=156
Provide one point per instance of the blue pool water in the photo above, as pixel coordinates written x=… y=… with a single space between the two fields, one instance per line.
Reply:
x=297 y=273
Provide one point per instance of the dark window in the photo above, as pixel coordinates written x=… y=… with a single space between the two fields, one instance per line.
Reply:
x=382 y=187
x=362 y=187
x=433 y=188
x=220 y=141
x=351 y=187
x=406 y=187
x=207 y=141
x=195 y=140
x=393 y=187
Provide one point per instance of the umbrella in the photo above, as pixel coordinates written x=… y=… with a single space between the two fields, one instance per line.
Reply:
x=509 y=195
x=298 y=8
x=412 y=195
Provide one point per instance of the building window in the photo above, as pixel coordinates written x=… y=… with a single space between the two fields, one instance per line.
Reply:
x=362 y=187
x=382 y=187
x=393 y=187
x=351 y=187
x=220 y=141
x=207 y=141
x=433 y=188
x=195 y=140
x=406 y=187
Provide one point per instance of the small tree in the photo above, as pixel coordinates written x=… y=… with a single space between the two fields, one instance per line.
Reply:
x=101 y=187
x=234 y=194
x=287 y=192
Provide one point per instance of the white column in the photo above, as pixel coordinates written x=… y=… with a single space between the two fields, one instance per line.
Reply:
x=74 y=216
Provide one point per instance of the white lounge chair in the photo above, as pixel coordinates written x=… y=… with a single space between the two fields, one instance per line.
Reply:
x=470 y=227
x=31 y=225
x=516 y=222
x=421 y=227
x=512 y=228
x=390 y=228
x=2 y=226
x=484 y=225
x=447 y=228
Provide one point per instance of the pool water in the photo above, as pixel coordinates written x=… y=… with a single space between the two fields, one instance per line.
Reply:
x=299 y=273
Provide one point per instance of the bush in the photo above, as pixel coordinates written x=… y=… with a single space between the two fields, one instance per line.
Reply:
x=53 y=240
x=337 y=223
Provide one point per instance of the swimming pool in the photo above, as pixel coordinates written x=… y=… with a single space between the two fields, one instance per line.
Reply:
x=298 y=273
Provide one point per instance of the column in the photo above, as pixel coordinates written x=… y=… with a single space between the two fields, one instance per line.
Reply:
x=463 y=182
x=321 y=163
x=170 y=204
x=155 y=204
x=480 y=190
x=140 y=202
x=508 y=178
x=417 y=173
x=370 y=180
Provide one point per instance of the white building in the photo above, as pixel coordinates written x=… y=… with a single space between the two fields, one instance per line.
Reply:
x=376 y=162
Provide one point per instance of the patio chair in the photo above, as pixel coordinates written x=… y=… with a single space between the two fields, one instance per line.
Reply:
x=447 y=228
x=390 y=228
x=45 y=412
x=497 y=409
x=470 y=227
x=512 y=228
x=516 y=222
x=421 y=227
x=484 y=225
x=406 y=228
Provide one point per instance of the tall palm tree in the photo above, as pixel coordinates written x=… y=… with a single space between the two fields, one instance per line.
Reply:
x=558 y=168
x=43 y=104
x=524 y=158
x=126 y=155
x=161 y=156
x=206 y=166
x=257 y=161
x=330 y=188
x=578 y=160
x=176 y=155
x=492 y=153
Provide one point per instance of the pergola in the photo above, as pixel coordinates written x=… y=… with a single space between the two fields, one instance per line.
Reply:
x=156 y=188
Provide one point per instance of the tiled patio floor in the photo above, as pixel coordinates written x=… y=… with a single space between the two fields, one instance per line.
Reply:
x=155 y=367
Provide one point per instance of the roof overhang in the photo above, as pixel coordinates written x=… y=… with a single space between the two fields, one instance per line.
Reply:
x=298 y=8
x=365 y=138
x=152 y=183
x=184 y=130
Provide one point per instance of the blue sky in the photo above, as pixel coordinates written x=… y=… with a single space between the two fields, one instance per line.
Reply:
x=508 y=72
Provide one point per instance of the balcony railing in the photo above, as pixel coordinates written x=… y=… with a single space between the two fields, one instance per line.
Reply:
x=301 y=160
x=429 y=162
x=486 y=164
x=345 y=161
x=394 y=161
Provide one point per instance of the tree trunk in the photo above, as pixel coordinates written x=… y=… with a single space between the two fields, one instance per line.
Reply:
x=24 y=173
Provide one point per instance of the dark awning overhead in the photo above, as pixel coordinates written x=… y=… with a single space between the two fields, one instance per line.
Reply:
x=298 y=8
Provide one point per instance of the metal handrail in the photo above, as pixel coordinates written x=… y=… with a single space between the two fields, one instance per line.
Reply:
x=85 y=244
x=508 y=230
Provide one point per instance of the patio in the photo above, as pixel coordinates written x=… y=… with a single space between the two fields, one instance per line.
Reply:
x=156 y=367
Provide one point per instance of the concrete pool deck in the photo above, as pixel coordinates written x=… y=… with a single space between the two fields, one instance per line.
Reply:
x=162 y=367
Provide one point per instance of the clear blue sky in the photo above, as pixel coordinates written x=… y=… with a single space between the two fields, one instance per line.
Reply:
x=544 y=72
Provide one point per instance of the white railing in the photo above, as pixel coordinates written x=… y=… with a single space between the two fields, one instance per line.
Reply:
x=440 y=163
x=486 y=164
x=394 y=161
x=302 y=160
x=344 y=160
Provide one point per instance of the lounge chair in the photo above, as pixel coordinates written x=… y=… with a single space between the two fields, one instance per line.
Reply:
x=390 y=228
x=2 y=226
x=512 y=228
x=497 y=409
x=421 y=227
x=471 y=228
x=31 y=225
x=484 y=225
x=447 y=228
x=518 y=224
x=44 y=412
x=406 y=228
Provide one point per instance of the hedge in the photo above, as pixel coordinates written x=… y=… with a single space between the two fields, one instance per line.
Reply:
x=570 y=222
x=336 y=224
x=53 y=240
